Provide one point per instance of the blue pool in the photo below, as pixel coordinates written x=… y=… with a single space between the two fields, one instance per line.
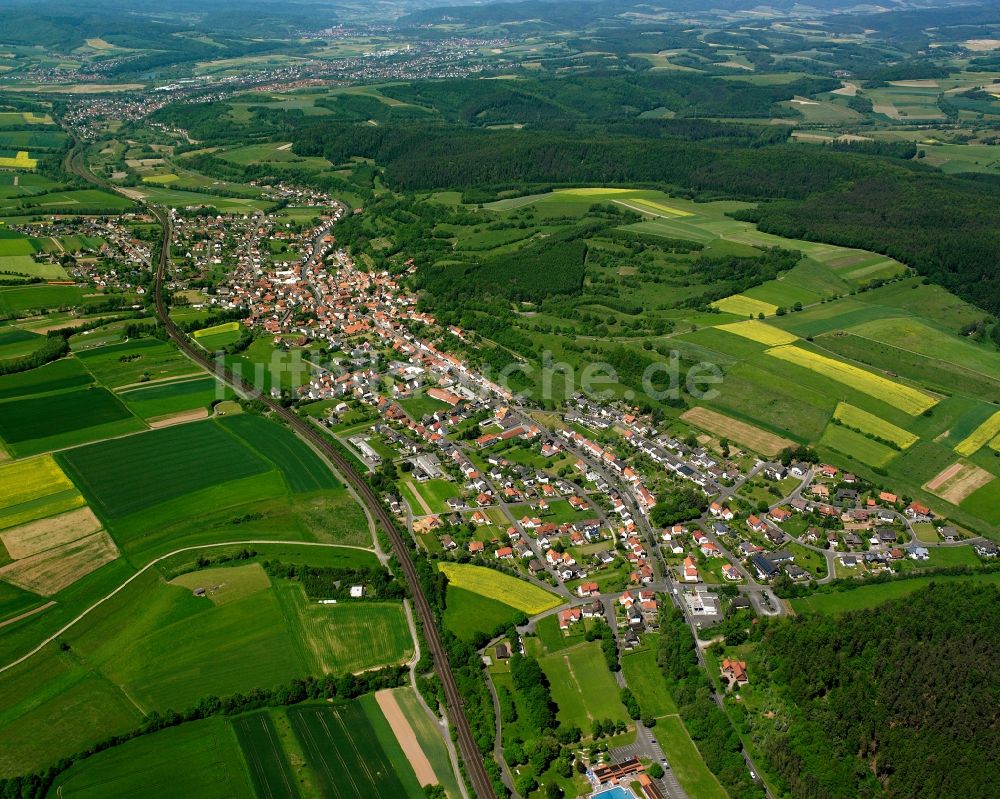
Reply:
x=614 y=793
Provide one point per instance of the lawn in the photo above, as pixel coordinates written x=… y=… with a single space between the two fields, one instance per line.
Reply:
x=504 y=588
x=582 y=686
x=125 y=475
x=346 y=756
x=870 y=596
x=468 y=613
x=429 y=496
x=421 y=405
x=198 y=760
x=686 y=761
x=39 y=424
x=644 y=676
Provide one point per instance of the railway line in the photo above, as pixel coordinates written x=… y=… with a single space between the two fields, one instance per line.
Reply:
x=475 y=770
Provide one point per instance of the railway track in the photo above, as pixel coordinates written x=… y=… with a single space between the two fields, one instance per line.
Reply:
x=481 y=784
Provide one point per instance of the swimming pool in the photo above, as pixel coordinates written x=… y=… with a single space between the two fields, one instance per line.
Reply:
x=614 y=793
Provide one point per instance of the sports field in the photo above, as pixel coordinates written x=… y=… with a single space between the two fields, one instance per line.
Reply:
x=198 y=760
x=909 y=400
x=873 y=425
x=582 y=686
x=746 y=435
x=347 y=758
x=502 y=587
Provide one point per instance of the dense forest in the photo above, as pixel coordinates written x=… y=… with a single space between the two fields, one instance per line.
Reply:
x=897 y=701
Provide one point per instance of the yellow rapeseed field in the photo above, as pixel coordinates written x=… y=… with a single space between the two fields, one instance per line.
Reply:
x=760 y=332
x=502 y=587
x=907 y=399
x=980 y=436
x=874 y=425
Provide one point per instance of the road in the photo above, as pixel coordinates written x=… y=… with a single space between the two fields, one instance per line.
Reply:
x=481 y=784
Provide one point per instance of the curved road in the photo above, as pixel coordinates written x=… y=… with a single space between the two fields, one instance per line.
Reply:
x=467 y=745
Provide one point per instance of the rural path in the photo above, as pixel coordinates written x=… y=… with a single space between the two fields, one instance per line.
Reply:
x=70 y=624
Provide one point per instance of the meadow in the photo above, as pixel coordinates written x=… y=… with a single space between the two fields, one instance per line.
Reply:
x=136 y=361
x=686 y=761
x=857 y=446
x=503 y=588
x=870 y=596
x=19 y=300
x=217 y=337
x=645 y=677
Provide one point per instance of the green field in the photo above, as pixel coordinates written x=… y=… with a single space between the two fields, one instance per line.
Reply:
x=165 y=399
x=430 y=739
x=200 y=760
x=873 y=425
x=857 y=446
x=582 y=686
x=686 y=761
x=302 y=467
x=39 y=424
x=467 y=613
x=346 y=757
x=136 y=361
x=56 y=376
x=18 y=300
x=266 y=761
x=645 y=677
x=125 y=475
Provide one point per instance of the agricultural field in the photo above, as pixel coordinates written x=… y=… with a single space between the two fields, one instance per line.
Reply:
x=468 y=613
x=37 y=424
x=907 y=399
x=870 y=596
x=135 y=362
x=955 y=483
x=980 y=437
x=268 y=764
x=872 y=425
x=200 y=759
x=164 y=400
x=217 y=337
x=760 y=332
x=857 y=446
x=739 y=432
x=24 y=300
x=428 y=737
x=503 y=588
x=34 y=489
x=348 y=758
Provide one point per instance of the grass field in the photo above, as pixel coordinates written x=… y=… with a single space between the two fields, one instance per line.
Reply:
x=686 y=761
x=18 y=300
x=984 y=502
x=872 y=425
x=979 y=437
x=909 y=400
x=740 y=432
x=199 y=760
x=501 y=587
x=857 y=446
x=469 y=613
x=870 y=596
x=346 y=756
x=125 y=475
x=645 y=677
x=265 y=758
x=582 y=686
x=217 y=337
